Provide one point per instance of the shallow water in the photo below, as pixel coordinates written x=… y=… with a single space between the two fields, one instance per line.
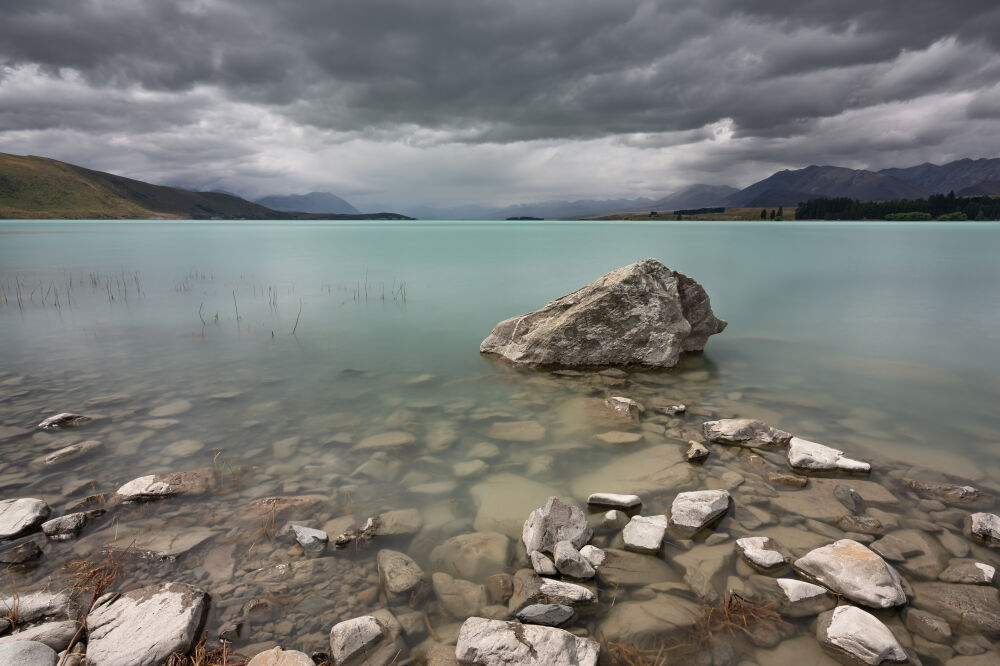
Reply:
x=879 y=339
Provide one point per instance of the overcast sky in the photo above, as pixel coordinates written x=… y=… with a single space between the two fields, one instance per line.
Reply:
x=405 y=102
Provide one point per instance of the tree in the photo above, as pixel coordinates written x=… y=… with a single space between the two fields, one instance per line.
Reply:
x=763 y=213
x=772 y=213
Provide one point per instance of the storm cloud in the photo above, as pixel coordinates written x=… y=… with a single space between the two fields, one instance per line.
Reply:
x=399 y=103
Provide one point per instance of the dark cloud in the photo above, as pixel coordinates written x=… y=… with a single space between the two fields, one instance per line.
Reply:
x=649 y=75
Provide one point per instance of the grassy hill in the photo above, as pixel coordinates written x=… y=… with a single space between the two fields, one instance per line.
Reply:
x=41 y=188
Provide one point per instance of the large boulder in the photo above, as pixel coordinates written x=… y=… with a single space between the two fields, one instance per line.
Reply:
x=488 y=642
x=21 y=516
x=852 y=570
x=555 y=522
x=144 y=626
x=969 y=608
x=750 y=433
x=369 y=640
x=475 y=556
x=643 y=314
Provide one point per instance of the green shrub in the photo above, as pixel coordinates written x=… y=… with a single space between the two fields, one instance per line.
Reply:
x=908 y=217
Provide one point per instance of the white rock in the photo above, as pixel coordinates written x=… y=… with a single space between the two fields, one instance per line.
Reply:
x=402 y=578
x=984 y=528
x=497 y=643
x=567 y=594
x=69 y=526
x=569 y=561
x=161 y=486
x=696 y=452
x=21 y=516
x=312 y=541
x=350 y=637
x=854 y=571
x=145 y=626
x=554 y=522
x=614 y=520
x=745 y=432
x=63 y=420
x=278 y=657
x=37 y=607
x=645 y=534
x=594 y=555
x=693 y=510
x=614 y=500
x=56 y=635
x=763 y=553
x=859 y=635
x=27 y=653
x=805 y=456
x=542 y=563
x=801 y=599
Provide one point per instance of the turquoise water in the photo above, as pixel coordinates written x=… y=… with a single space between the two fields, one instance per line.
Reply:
x=879 y=338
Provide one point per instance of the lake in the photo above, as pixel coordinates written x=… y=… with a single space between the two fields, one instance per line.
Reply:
x=278 y=355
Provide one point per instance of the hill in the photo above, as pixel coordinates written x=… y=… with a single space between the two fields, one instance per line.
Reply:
x=42 y=188
x=790 y=187
x=951 y=177
x=314 y=202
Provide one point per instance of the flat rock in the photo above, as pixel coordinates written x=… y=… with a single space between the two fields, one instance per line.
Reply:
x=619 y=437
x=386 y=440
x=789 y=480
x=745 y=432
x=495 y=643
x=644 y=534
x=622 y=567
x=67 y=453
x=849 y=498
x=950 y=493
x=807 y=457
x=763 y=553
x=27 y=653
x=394 y=523
x=801 y=599
x=161 y=486
x=818 y=499
x=56 y=635
x=984 y=528
x=569 y=561
x=696 y=452
x=278 y=657
x=852 y=570
x=643 y=314
x=474 y=556
x=554 y=522
x=469 y=468
x=691 y=511
x=927 y=625
x=402 y=578
x=144 y=626
x=161 y=542
x=517 y=431
x=646 y=624
x=594 y=555
x=369 y=640
x=63 y=420
x=916 y=553
x=569 y=594
x=614 y=500
x=504 y=500
x=459 y=598
x=654 y=469
x=21 y=516
x=705 y=570
x=313 y=541
x=968 y=608
x=858 y=635
x=547 y=615
x=35 y=607
x=172 y=408
x=969 y=573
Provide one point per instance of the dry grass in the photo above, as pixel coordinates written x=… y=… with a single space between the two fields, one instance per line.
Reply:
x=732 y=620
x=202 y=656
x=95 y=577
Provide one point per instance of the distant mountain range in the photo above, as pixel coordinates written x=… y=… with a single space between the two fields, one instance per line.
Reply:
x=42 y=188
x=314 y=202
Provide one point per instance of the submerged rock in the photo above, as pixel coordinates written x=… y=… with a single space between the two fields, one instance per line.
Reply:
x=801 y=599
x=950 y=493
x=21 y=516
x=763 y=553
x=372 y=640
x=696 y=452
x=63 y=420
x=459 y=598
x=547 y=615
x=808 y=457
x=161 y=486
x=402 y=578
x=614 y=501
x=644 y=314
x=474 y=556
x=145 y=626
x=692 y=511
x=984 y=528
x=745 y=432
x=968 y=608
x=969 y=573
x=850 y=569
x=858 y=635
x=494 y=642
x=313 y=541
x=644 y=534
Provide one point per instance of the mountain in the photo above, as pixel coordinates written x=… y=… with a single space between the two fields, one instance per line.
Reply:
x=951 y=177
x=41 y=188
x=790 y=187
x=694 y=196
x=314 y=202
x=988 y=188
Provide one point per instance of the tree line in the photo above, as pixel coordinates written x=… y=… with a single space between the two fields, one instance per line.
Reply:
x=944 y=207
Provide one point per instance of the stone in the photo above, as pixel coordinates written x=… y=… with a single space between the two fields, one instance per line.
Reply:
x=801 y=599
x=369 y=640
x=23 y=555
x=745 y=432
x=807 y=457
x=63 y=420
x=554 y=522
x=968 y=573
x=386 y=440
x=649 y=470
x=691 y=511
x=495 y=643
x=647 y=623
x=696 y=452
x=614 y=501
x=547 y=615
x=278 y=657
x=36 y=607
x=623 y=407
x=927 y=625
x=483 y=450
x=852 y=570
x=790 y=480
x=860 y=636
x=594 y=555
x=500 y=588
x=982 y=528
x=56 y=635
x=644 y=534
x=705 y=569
x=569 y=561
x=517 y=431
x=503 y=500
x=313 y=541
x=619 y=437
x=614 y=520
x=277 y=510
x=570 y=594
x=27 y=653
x=916 y=553
x=459 y=598
x=162 y=486
x=763 y=553
x=950 y=493
x=622 y=567
x=968 y=608
x=172 y=408
x=394 y=523
x=144 y=626
x=157 y=541
x=402 y=578
x=644 y=314
x=469 y=468
x=861 y=524
x=67 y=453
x=818 y=500
x=21 y=516
x=542 y=563
x=732 y=480
x=850 y=498
x=474 y=556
